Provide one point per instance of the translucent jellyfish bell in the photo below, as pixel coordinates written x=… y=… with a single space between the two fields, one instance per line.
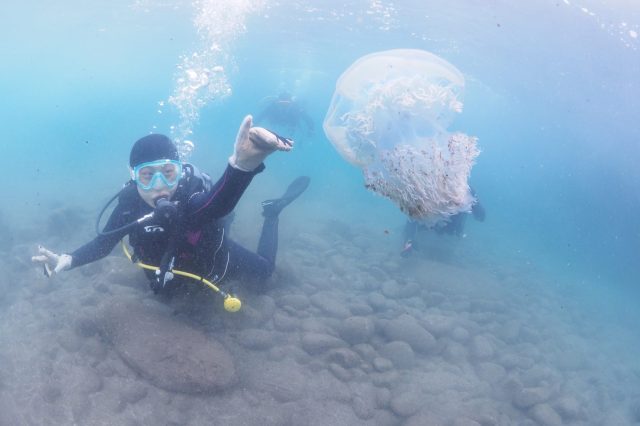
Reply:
x=389 y=116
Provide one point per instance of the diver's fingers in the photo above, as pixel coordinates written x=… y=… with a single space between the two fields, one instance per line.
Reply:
x=243 y=131
x=47 y=270
x=39 y=259
x=48 y=253
x=44 y=261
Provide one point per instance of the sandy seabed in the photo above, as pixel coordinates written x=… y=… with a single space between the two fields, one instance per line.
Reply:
x=345 y=333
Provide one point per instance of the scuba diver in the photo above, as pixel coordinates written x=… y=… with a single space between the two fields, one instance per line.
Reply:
x=454 y=226
x=174 y=214
x=286 y=114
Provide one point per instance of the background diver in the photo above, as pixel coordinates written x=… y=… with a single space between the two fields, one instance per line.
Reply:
x=286 y=114
x=172 y=213
x=454 y=226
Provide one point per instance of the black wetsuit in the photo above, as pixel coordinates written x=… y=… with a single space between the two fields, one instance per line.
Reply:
x=201 y=246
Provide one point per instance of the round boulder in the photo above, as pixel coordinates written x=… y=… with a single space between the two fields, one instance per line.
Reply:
x=170 y=354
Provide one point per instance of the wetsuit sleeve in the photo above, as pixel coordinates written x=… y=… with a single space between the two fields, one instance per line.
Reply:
x=102 y=245
x=223 y=196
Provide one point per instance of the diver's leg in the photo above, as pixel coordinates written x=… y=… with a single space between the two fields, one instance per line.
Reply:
x=244 y=262
x=409 y=234
x=268 y=244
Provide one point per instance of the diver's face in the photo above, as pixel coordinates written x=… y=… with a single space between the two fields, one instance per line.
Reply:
x=157 y=179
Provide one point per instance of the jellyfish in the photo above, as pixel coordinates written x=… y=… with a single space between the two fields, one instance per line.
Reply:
x=389 y=116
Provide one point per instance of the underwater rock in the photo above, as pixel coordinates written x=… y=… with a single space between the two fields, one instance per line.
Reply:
x=407 y=329
x=439 y=325
x=407 y=403
x=317 y=343
x=279 y=380
x=399 y=353
x=357 y=330
x=528 y=397
x=296 y=301
x=168 y=353
x=571 y=410
x=481 y=348
x=455 y=353
x=284 y=322
x=331 y=305
x=545 y=415
x=490 y=372
x=255 y=339
x=344 y=357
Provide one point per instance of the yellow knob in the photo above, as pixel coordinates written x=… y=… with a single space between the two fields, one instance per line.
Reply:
x=232 y=304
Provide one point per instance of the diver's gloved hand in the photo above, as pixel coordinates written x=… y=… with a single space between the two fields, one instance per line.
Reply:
x=52 y=263
x=254 y=144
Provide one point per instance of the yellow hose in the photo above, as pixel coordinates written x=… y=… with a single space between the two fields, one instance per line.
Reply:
x=231 y=303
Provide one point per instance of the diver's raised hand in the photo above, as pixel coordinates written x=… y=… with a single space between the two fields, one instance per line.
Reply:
x=254 y=144
x=52 y=262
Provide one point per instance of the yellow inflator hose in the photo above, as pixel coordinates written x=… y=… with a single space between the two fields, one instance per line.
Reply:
x=231 y=303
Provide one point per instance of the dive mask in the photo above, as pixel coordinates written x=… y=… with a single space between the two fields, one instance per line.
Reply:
x=146 y=175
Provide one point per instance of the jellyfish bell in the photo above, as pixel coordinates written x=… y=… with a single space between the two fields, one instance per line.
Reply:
x=389 y=116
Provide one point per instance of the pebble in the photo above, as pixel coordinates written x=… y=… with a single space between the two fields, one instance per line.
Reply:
x=134 y=392
x=481 y=348
x=296 y=301
x=439 y=325
x=283 y=322
x=317 y=343
x=284 y=384
x=69 y=341
x=405 y=328
x=255 y=339
x=460 y=334
x=545 y=415
x=340 y=372
x=490 y=372
x=363 y=407
x=387 y=379
x=364 y=400
x=360 y=309
x=455 y=353
x=366 y=351
x=399 y=353
x=570 y=409
x=80 y=408
x=528 y=397
x=510 y=361
x=406 y=404
x=383 y=397
x=330 y=305
x=377 y=301
x=355 y=330
x=344 y=357
x=382 y=364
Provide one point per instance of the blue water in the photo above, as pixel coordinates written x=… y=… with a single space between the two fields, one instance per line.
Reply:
x=552 y=93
